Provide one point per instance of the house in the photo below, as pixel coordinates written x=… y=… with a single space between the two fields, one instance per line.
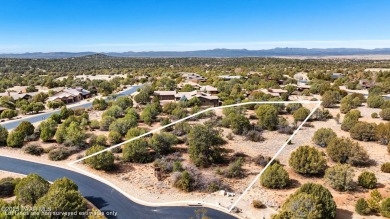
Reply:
x=301 y=78
x=366 y=83
x=193 y=77
x=273 y=92
x=205 y=98
x=207 y=89
x=17 y=96
x=228 y=77
x=165 y=95
x=336 y=75
x=364 y=92
x=70 y=95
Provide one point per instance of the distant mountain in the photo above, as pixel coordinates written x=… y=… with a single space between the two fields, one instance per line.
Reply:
x=213 y=53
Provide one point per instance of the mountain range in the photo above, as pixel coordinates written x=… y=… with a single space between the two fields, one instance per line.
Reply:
x=210 y=53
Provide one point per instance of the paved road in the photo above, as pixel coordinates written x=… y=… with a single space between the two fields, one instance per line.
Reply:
x=103 y=196
x=43 y=116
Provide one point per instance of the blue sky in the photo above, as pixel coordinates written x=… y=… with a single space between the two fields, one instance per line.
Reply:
x=146 y=25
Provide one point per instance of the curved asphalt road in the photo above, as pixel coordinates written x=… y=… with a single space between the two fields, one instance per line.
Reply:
x=103 y=196
x=43 y=116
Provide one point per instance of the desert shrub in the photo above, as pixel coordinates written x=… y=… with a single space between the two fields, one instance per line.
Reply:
x=134 y=132
x=235 y=169
x=47 y=129
x=59 y=154
x=26 y=128
x=177 y=166
x=361 y=207
x=309 y=201
x=343 y=150
x=254 y=135
x=7 y=186
x=114 y=111
x=33 y=149
x=181 y=128
x=375 y=101
x=292 y=107
x=385 y=114
x=237 y=122
x=102 y=161
x=367 y=180
x=308 y=161
x=374 y=115
x=288 y=130
x=323 y=136
x=261 y=160
x=101 y=140
x=106 y=122
x=257 y=204
x=184 y=182
x=374 y=201
x=385 y=208
x=340 y=177
x=363 y=131
x=114 y=137
x=275 y=177
x=94 y=124
x=382 y=133
x=301 y=114
x=385 y=167
x=350 y=119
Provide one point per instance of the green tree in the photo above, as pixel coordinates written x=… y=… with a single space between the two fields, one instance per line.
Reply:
x=114 y=111
x=367 y=180
x=340 y=177
x=268 y=116
x=385 y=208
x=47 y=129
x=30 y=189
x=65 y=184
x=15 y=139
x=99 y=104
x=63 y=201
x=301 y=114
x=323 y=136
x=114 y=137
x=275 y=177
x=162 y=143
x=308 y=161
x=26 y=128
x=343 y=150
x=237 y=122
x=350 y=119
x=74 y=136
x=382 y=133
x=124 y=102
x=361 y=207
x=385 y=114
x=204 y=145
x=137 y=151
x=374 y=201
x=8 y=114
x=102 y=161
x=375 y=101
x=3 y=136
x=363 y=131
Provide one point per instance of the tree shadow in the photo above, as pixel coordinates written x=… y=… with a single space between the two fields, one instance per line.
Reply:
x=97 y=201
x=343 y=214
x=294 y=184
